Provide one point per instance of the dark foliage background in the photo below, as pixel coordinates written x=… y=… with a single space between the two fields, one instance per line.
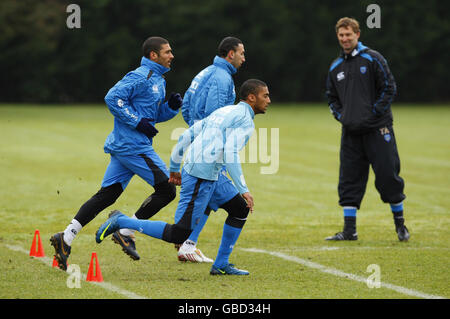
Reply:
x=289 y=44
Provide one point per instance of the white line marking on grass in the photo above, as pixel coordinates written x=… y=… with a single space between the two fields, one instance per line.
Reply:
x=330 y=248
x=342 y=274
x=105 y=285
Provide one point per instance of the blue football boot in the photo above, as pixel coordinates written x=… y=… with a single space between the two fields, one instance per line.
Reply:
x=108 y=227
x=228 y=270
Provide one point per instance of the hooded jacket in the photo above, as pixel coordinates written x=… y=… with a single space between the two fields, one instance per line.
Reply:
x=139 y=94
x=360 y=89
x=216 y=141
x=211 y=89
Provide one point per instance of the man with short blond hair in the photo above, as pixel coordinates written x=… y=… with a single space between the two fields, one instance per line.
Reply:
x=360 y=90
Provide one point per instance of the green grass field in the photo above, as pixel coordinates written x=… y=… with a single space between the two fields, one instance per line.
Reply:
x=52 y=161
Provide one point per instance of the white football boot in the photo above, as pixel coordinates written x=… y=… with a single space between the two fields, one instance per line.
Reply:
x=189 y=252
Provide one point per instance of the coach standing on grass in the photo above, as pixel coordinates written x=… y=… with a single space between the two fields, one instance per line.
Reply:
x=137 y=103
x=360 y=90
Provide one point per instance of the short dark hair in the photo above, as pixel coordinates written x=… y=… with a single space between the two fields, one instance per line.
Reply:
x=251 y=86
x=227 y=44
x=152 y=44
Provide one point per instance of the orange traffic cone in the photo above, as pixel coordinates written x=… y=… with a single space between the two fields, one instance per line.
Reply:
x=98 y=274
x=39 y=252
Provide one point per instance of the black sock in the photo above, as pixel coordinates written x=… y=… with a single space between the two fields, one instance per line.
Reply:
x=397 y=212
x=398 y=219
x=350 y=225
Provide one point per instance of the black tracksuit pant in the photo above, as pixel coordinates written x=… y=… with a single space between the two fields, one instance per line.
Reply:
x=376 y=148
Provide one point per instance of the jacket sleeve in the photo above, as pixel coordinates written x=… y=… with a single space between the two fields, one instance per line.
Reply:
x=186 y=108
x=118 y=99
x=333 y=98
x=218 y=96
x=386 y=88
x=165 y=113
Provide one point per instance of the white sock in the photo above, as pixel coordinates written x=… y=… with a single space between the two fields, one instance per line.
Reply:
x=188 y=244
x=71 y=231
x=127 y=231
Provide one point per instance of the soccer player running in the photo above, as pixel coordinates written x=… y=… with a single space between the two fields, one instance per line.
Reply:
x=213 y=142
x=360 y=90
x=211 y=89
x=137 y=104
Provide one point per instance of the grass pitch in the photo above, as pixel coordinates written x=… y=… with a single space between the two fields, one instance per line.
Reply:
x=52 y=161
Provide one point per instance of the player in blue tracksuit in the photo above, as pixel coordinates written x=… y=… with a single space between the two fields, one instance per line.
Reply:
x=212 y=142
x=211 y=89
x=137 y=103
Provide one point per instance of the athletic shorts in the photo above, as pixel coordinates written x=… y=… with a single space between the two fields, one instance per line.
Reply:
x=223 y=192
x=149 y=166
x=195 y=195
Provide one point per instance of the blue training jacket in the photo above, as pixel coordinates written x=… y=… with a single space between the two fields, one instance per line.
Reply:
x=139 y=94
x=216 y=141
x=211 y=89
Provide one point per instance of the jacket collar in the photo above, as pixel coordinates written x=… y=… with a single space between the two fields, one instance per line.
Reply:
x=357 y=50
x=224 y=64
x=252 y=113
x=155 y=67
